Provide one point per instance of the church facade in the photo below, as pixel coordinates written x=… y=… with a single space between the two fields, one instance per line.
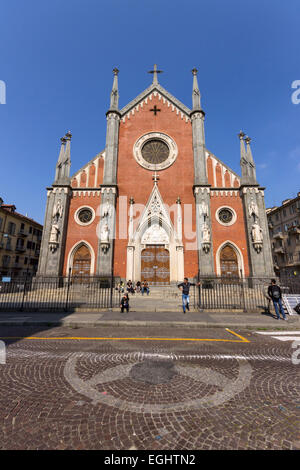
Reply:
x=156 y=204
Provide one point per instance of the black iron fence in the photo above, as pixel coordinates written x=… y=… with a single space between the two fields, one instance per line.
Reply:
x=58 y=294
x=232 y=293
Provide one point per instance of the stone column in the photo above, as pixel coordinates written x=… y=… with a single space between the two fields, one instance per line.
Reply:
x=106 y=231
x=179 y=245
x=259 y=248
x=204 y=230
x=54 y=232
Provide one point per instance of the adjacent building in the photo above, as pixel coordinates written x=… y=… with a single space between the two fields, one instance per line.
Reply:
x=20 y=241
x=284 y=229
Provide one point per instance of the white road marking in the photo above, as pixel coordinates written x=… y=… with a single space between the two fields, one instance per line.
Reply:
x=282 y=335
x=294 y=332
x=287 y=338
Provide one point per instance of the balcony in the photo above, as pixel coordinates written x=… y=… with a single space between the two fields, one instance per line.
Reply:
x=294 y=229
x=22 y=233
x=20 y=248
x=279 y=250
x=278 y=236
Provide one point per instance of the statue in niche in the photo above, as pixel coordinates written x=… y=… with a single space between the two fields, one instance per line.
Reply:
x=54 y=235
x=57 y=210
x=203 y=210
x=104 y=238
x=253 y=209
x=257 y=233
x=206 y=233
x=106 y=210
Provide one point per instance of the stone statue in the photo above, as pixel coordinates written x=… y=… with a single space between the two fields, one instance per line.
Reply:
x=104 y=236
x=53 y=241
x=106 y=212
x=253 y=209
x=57 y=210
x=203 y=209
x=257 y=234
x=205 y=233
x=54 y=233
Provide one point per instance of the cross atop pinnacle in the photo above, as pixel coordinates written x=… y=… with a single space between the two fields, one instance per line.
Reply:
x=155 y=72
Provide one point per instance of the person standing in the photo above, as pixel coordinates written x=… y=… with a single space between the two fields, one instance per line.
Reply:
x=185 y=288
x=274 y=292
x=124 y=303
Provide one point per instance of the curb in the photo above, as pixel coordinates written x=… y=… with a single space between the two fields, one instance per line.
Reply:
x=124 y=323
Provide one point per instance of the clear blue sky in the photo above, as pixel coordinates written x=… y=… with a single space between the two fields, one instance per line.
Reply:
x=57 y=58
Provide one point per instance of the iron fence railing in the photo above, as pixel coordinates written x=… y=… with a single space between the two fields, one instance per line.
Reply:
x=58 y=294
x=233 y=293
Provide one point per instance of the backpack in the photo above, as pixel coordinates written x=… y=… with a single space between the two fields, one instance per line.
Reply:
x=297 y=308
x=276 y=293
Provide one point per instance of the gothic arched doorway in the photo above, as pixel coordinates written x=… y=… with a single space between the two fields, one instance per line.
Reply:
x=155 y=265
x=81 y=262
x=229 y=262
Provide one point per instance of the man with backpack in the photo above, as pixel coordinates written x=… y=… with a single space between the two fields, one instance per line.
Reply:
x=274 y=292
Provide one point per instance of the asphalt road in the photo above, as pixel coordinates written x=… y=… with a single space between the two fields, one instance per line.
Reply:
x=148 y=389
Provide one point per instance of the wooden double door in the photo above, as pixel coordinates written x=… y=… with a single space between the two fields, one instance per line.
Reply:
x=229 y=262
x=155 y=265
x=82 y=262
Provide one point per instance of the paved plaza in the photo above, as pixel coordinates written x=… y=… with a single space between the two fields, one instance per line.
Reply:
x=137 y=388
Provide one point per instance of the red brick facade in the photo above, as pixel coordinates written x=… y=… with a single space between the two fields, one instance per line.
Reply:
x=175 y=181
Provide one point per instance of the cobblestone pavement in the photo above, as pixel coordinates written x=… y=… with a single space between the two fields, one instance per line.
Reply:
x=58 y=392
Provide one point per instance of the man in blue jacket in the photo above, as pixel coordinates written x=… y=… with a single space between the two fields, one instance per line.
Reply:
x=185 y=288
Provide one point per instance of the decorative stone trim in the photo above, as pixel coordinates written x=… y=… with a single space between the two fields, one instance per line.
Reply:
x=164 y=100
x=137 y=151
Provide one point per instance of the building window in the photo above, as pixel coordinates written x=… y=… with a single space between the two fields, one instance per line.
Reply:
x=29 y=245
x=11 y=228
x=1 y=220
x=277 y=216
x=284 y=212
x=25 y=260
x=30 y=229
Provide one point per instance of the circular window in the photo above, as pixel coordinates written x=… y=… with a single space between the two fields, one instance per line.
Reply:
x=84 y=215
x=155 y=151
x=225 y=216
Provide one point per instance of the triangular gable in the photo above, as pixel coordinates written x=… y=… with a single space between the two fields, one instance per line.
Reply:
x=160 y=90
x=155 y=209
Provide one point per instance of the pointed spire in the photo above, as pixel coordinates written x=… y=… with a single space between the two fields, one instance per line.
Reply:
x=247 y=162
x=249 y=153
x=114 y=96
x=252 y=168
x=63 y=165
x=196 y=91
x=241 y=136
x=155 y=72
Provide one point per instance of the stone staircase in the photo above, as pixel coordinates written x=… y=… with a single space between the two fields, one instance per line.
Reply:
x=160 y=299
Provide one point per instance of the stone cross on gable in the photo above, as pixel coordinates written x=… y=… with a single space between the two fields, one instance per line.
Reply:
x=155 y=72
